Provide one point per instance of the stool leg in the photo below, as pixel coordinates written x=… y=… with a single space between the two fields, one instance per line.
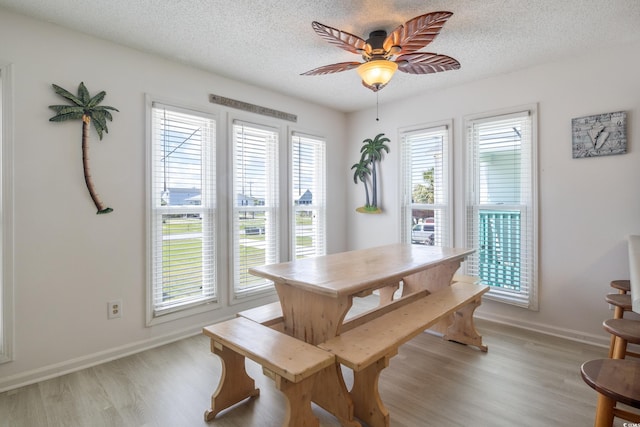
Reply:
x=604 y=411
x=618 y=312
x=619 y=348
x=612 y=346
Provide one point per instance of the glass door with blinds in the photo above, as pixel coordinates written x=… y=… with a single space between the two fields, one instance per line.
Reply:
x=308 y=194
x=256 y=208
x=182 y=214
x=426 y=215
x=500 y=205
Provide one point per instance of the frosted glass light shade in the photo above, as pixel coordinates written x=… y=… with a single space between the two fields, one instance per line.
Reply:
x=377 y=72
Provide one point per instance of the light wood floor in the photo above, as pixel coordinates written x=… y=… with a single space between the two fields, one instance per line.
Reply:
x=525 y=379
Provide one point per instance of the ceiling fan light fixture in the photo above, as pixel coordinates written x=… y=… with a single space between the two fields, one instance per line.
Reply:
x=378 y=72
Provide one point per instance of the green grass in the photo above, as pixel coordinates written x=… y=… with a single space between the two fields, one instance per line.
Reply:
x=182 y=226
x=182 y=258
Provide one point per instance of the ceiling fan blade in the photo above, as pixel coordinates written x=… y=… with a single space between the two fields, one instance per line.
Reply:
x=342 y=39
x=417 y=32
x=426 y=63
x=333 y=68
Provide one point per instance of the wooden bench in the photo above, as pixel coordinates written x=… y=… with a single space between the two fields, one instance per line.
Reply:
x=366 y=344
x=271 y=314
x=291 y=363
x=268 y=315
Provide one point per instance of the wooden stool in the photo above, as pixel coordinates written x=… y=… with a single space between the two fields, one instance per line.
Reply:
x=623 y=286
x=623 y=331
x=621 y=303
x=615 y=381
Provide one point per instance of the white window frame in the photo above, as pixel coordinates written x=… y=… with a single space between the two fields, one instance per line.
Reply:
x=317 y=145
x=6 y=214
x=155 y=211
x=444 y=201
x=527 y=296
x=272 y=208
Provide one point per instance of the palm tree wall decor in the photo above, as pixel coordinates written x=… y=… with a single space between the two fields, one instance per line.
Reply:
x=371 y=154
x=85 y=108
x=361 y=172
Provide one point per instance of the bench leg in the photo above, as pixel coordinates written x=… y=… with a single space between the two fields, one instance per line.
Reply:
x=299 y=413
x=235 y=384
x=463 y=329
x=330 y=393
x=366 y=398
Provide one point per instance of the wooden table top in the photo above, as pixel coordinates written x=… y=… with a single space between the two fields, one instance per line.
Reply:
x=360 y=271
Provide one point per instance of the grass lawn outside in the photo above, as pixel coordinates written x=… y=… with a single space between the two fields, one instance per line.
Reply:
x=182 y=257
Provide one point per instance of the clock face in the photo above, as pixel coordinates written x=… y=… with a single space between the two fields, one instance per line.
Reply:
x=599 y=135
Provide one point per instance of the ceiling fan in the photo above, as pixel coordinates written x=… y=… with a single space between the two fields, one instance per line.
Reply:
x=384 y=54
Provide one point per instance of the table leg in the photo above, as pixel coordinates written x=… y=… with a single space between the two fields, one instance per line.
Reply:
x=366 y=398
x=386 y=293
x=330 y=392
x=235 y=384
x=432 y=279
x=311 y=317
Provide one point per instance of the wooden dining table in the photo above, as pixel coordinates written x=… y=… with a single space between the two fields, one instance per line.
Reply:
x=317 y=293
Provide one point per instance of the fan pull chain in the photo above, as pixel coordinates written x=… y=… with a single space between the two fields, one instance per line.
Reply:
x=377 y=109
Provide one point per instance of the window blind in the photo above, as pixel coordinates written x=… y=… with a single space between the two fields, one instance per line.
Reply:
x=7 y=308
x=500 y=206
x=256 y=232
x=3 y=299
x=182 y=217
x=309 y=195
x=426 y=216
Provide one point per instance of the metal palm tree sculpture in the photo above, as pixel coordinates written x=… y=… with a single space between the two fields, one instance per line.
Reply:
x=372 y=153
x=86 y=108
x=361 y=172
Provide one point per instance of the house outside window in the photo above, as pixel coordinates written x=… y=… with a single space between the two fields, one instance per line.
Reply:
x=426 y=216
x=308 y=181
x=182 y=211
x=501 y=204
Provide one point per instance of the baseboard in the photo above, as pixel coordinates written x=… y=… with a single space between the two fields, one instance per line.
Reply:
x=569 y=334
x=73 y=365
x=55 y=370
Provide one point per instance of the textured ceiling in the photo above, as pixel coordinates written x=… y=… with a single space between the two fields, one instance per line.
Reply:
x=269 y=43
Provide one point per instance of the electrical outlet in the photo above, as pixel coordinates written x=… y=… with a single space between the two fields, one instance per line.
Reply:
x=114 y=309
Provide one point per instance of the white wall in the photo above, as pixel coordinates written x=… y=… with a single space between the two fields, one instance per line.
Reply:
x=587 y=206
x=69 y=261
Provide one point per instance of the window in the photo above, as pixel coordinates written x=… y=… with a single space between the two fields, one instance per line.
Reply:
x=182 y=214
x=6 y=217
x=256 y=209
x=426 y=196
x=501 y=205
x=308 y=187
